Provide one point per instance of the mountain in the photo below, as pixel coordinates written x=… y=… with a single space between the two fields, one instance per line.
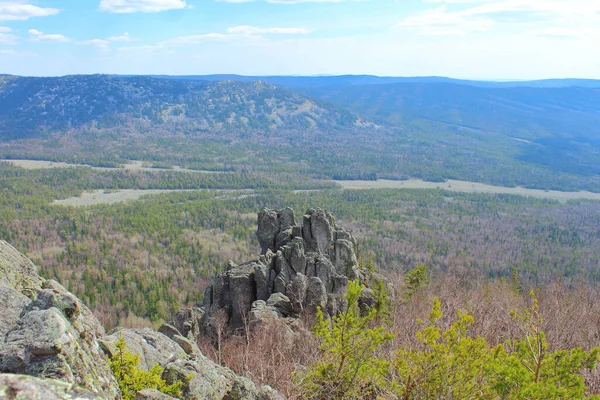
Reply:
x=34 y=105
x=343 y=80
x=557 y=127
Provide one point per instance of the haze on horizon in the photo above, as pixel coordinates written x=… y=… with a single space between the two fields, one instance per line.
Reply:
x=469 y=39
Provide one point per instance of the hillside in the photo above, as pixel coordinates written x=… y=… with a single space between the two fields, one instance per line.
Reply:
x=30 y=106
x=557 y=128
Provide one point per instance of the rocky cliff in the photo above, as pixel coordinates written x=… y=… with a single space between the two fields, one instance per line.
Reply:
x=304 y=264
x=53 y=347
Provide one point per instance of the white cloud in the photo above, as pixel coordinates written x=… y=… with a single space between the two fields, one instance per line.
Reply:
x=483 y=15
x=7 y=38
x=36 y=35
x=255 y=30
x=123 y=38
x=104 y=44
x=149 y=6
x=21 y=11
x=439 y=21
x=5 y=29
x=237 y=32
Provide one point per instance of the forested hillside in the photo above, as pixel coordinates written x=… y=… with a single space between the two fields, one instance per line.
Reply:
x=30 y=106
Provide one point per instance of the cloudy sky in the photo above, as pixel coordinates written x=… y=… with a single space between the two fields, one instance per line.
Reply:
x=476 y=39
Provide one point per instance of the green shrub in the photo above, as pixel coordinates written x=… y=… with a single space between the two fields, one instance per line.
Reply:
x=132 y=379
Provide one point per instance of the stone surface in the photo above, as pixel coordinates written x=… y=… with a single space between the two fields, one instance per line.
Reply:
x=45 y=344
x=24 y=387
x=152 y=347
x=13 y=304
x=17 y=271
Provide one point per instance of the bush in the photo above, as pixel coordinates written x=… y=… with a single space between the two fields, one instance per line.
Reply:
x=132 y=379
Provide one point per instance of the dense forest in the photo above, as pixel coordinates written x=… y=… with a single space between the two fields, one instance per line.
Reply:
x=168 y=246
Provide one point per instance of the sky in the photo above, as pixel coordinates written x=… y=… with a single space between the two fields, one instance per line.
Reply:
x=472 y=39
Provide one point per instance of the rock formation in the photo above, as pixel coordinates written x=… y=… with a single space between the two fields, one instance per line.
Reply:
x=53 y=347
x=302 y=266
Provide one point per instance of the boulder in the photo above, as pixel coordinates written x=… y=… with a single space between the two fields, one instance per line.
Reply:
x=168 y=330
x=45 y=344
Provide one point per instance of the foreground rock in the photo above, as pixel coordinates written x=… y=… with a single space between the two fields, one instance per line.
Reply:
x=303 y=266
x=53 y=347
x=31 y=388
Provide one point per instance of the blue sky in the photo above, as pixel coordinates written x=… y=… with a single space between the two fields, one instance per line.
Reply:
x=476 y=39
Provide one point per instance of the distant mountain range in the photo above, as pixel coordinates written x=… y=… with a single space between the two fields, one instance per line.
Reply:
x=474 y=130
x=343 y=80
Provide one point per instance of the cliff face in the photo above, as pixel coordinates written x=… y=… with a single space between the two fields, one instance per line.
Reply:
x=53 y=347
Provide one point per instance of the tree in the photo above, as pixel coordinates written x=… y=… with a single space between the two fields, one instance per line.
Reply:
x=526 y=369
x=414 y=280
x=132 y=379
x=348 y=368
x=453 y=365
x=450 y=365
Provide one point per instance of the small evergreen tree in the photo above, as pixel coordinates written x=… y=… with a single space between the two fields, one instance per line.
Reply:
x=132 y=379
x=414 y=280
x=348 y=368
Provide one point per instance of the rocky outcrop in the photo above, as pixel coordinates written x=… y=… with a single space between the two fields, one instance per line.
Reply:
x=47 y=332
x=301 y=267
x=53 y=347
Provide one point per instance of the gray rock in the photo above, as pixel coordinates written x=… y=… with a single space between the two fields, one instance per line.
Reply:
x=291 y=253
x=81 y=317
x=188 y=322
x=287 y=218
x=152 y=394
x=13 y=304
x=260 y=313
x=294 y=253
x=26 y=387
x=45 y=344
x=325 y=271
x=281 y=303
x=187 y=345
x=261 y=277
x=345 y=259
x=17 y=271
x=211 y=381
x=169 y=330
x=242 y=287
x=268 y=228
x=296 y=291
x=152 y=347
x=316 y=295
x=321 y=230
